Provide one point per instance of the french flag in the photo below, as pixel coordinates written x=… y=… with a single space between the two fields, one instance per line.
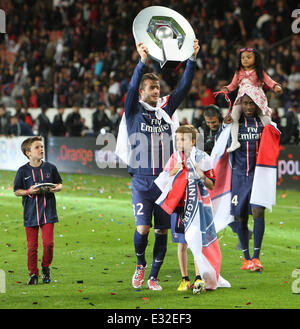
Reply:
x=201 y=236
x=221 y=194
x=264 y=182
x=199 y=229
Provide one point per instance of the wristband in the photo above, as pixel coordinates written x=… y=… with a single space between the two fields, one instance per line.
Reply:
x=28 y=194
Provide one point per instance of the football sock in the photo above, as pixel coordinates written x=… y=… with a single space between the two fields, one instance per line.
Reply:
x=159 y=252
x=140 y=243
x=233 y=226
x=242 y=231
x=186 y=278
x=198 y=277
x=258 y=233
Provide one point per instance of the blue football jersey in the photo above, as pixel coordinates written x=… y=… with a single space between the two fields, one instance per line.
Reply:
x=151 y=138
x=244 y=158
x=39 y=209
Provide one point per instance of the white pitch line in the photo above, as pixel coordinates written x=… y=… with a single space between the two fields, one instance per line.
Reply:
x=288 y=207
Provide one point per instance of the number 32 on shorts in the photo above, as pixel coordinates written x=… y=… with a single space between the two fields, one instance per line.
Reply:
x=235 y=200
x=138 y=209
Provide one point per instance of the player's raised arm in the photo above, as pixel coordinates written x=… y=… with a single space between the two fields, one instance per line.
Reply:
x=196 y=49
x=132 y=97
x=185 y=83
x=143 y=51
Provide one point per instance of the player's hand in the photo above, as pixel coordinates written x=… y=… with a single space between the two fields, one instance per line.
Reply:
x=55 y=188
x=175 y=170
x=199 y=171
x=228 y=119
x=278 y=89
x=33 y=190
x=224 y=90
x=196 y=48
x=143 y=51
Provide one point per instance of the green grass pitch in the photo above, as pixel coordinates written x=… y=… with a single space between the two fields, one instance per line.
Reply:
x=94 y=256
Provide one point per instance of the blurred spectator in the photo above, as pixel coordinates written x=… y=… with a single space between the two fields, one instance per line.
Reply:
x=84 y=52
x=114 y=90
x=19 y=113
x=198 y=118
x=95 y=94
x=33 y=99
x=100 y=119
x=213 y=121
x=86 y=131
x=207 y=97
x=115 y=119
x=98 y=65
x=19 y=128
x=58 y=127
x=44 y=96
x=276 y=118
x=27 y=117
x=43 y=122
x=184 y=121
x=103 y=97
x=74 y=122
x=4 y=120
x=293 y=78
x=86 y=98
x=292 y=126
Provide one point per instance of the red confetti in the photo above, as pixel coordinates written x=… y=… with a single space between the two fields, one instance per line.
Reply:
x=145 y=298
x=18 y=282
x=113 y=293
x=79 y=290
x=290 y=156
x=248 y=303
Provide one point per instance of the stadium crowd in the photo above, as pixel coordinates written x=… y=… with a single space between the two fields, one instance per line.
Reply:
x=90 y=62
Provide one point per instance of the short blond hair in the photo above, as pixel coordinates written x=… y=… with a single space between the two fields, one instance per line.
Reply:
x=187 y=129
x=26 y=145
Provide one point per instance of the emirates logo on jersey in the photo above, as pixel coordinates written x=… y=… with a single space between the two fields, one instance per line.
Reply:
x=251 y=134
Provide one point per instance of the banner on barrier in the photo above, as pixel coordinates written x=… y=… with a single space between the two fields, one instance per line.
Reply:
x=11 y=156
x=288 y=167
x=83 y=155
x=88 y=155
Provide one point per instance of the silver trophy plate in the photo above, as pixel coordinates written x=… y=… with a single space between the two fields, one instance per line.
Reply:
x=167 y=34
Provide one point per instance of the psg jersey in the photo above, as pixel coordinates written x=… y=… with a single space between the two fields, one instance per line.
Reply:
x=152 y=137
x=39 y=209
x=244 y=158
